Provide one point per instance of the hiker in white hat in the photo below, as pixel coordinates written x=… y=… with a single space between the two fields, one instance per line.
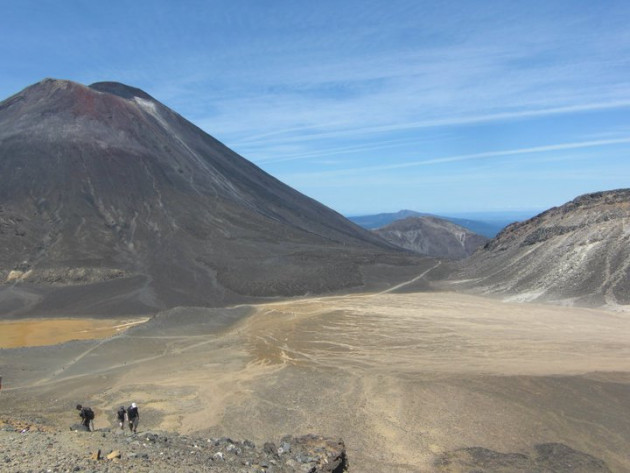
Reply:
x=134 y=417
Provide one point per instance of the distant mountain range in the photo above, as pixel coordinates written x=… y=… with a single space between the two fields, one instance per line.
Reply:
x=488 y=224
x=578 y=253
x=432 y=236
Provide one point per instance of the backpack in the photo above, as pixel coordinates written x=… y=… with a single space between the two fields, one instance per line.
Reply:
x=89 y=413
x=132 y=413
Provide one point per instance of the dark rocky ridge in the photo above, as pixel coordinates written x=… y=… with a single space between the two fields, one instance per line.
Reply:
x=29 y=447
x=106 y=187
x=432 y=236
x=578 y=253
x=33 y=447
x=547 y=458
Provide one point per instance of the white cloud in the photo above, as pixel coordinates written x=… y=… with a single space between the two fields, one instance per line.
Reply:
x=464 y=157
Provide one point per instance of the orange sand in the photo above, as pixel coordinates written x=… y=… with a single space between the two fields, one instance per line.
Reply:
x=38 y=332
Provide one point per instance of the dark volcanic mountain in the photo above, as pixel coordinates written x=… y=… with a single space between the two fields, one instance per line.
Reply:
x=103 y=188
x=432 y=236
x=578 y=253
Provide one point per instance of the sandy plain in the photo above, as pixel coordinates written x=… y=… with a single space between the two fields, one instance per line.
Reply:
x=40 y=332
x=401 y=377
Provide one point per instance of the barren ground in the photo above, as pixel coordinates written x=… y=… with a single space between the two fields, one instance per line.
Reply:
x=40 y=332
x=402 y=378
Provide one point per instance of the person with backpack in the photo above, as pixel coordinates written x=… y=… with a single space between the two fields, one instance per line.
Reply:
x=121 y=417
x=87 y=417
x=133 y=416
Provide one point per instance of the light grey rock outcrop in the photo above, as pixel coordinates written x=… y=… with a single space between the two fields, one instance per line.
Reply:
x=578 y=253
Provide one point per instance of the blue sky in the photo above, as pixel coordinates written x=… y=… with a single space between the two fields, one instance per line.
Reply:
x=366 y=106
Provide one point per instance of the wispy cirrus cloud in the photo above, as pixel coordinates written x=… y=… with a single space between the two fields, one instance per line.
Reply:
x=469 y=157
x=495 y=73
x=264 y=141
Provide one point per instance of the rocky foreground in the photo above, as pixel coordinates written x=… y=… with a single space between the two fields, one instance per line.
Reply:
x=30 y=448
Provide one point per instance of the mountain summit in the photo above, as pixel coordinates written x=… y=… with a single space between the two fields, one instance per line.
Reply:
x=105 y=188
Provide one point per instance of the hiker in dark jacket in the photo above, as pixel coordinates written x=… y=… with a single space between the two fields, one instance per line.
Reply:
x=87 y=417
x=133 y=416
x=121 y=417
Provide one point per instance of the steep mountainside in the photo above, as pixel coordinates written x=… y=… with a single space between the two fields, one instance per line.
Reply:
x=105 y=186
x=577 y=253
x=432 y=236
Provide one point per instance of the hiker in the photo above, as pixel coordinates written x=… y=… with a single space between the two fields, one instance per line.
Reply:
x=133 y=416
x=87 y=417
x=121 y=417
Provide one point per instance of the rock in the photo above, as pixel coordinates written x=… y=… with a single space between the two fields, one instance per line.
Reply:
x=79 y=428
x=285 y=447
x=151 y=437
x=561 y=458
x=549 y=457
x=305 y=458
x=64 y=451
x=114 y=454
x=270 y=448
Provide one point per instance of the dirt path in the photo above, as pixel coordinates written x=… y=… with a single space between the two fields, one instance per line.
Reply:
x=411 y=281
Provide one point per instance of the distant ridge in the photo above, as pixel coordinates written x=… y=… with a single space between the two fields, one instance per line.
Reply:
x=110 y=202
x=488 y=229
x=432 y=236
x=578 y=253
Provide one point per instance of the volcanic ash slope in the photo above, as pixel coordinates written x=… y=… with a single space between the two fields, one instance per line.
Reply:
x=432 y=236
x=578 y=253
x=110 y=202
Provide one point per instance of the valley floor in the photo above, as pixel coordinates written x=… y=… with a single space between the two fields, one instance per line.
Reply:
x=406 y=380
